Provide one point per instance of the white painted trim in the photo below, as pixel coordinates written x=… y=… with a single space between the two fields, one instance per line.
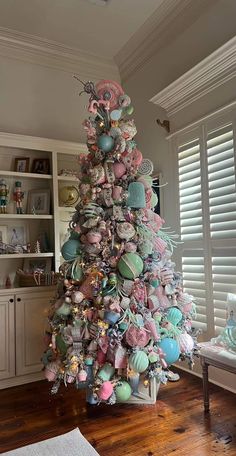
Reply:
x=196 y=123
x=169 y=19
x=37 y=143
x=215 y=70
x=36 y=50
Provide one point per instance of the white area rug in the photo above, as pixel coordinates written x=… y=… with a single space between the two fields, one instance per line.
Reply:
x=71 y=444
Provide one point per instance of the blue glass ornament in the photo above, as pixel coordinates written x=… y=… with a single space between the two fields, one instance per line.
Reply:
x=170 y=349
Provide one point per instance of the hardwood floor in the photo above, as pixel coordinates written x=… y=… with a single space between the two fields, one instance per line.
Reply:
x=175 y=425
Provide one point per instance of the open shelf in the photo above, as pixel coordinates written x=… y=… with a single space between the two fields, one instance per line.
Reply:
x=26 y=255
x=27 y=175
x=68 y=179
x=66 y=208
x=26 y=216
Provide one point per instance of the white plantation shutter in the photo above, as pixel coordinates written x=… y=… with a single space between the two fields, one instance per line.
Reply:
x=207 y=218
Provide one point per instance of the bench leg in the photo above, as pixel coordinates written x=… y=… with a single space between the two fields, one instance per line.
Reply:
x=205 y=385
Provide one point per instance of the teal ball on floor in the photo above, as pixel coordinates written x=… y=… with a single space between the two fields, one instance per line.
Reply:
x=130 y=265
x=71 y=249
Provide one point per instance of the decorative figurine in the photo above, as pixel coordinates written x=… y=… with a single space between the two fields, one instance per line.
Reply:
x=18 y=197
x=4 y=190
x=37 y=248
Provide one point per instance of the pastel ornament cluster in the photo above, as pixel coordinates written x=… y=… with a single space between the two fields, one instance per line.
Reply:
x=121 y=314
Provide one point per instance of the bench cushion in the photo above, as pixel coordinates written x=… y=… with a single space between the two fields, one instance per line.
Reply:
x=217 y=353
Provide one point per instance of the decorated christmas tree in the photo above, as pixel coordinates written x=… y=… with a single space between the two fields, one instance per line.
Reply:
x=121 y=316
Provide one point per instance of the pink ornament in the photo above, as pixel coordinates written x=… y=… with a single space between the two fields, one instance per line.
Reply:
x=105 y=391
x=130 y=247
x=185 y=342
x=137 y=337
x=82 y=375
x=101 y=357
x=51 y=371
x=110 y=89
x=162 y=298
x=77 y=297
x=93 y=237
x=119 y=169
x=153 y=302
x=117 y=193
x=150 y=325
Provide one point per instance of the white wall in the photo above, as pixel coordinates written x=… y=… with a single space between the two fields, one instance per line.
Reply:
x=42 y=101
x=214 y=28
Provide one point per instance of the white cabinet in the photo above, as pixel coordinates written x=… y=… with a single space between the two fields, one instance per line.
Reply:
x=23 y=319
x=7 y=336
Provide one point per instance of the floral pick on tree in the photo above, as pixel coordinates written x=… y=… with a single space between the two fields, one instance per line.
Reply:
x=122 y=311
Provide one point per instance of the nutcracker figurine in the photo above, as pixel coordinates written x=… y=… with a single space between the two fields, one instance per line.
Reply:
x=4 y=190
x=18 y=197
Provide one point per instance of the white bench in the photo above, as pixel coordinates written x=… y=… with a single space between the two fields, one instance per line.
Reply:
x=217 y=356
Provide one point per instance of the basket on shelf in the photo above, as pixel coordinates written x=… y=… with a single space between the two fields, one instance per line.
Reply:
x=36 y=279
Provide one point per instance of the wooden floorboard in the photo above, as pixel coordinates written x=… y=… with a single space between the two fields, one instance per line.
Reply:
x=175 y=426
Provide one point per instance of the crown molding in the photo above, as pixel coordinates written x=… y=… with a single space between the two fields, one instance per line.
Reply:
x=216 y=69
x=169 y=19
x=36 y=50
x=37 y=143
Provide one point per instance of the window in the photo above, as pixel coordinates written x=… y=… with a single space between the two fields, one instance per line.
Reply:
x=207 y=216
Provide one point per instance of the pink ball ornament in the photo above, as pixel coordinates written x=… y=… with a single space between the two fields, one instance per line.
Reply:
x=93 y=237
x=51 y=371
x=119 y=169
x=105 y=391
x=82 y=375
x=137 y=337
x=77 y=297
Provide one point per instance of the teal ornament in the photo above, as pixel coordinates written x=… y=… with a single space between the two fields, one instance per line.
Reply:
x=71 y=249
x=115 y=114
x=130 y=265
x=136 y=195
x=123 y=326
x=174 y=315
x=139 y=361
x=170 y=349
x=76 y=270
x=106 y=143
x=153 y=357
x=88 y=361
x=154 y=283
x=74 y=235
x=106 y=372
x=154 y=200
x=64 y=310
x=123 y=391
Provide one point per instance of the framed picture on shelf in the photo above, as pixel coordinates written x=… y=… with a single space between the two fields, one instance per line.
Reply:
x=3 y=234
x=38 y=201
x=41 y=166
x=37 y=264
x=16 y=235
x=22 y=164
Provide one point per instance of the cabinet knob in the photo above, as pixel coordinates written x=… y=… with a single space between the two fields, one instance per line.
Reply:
x=11 y=300
x=18 y=299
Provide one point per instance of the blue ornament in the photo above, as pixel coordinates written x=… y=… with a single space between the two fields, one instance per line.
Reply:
x=71 y=249
x=170 y=349
x=106 y=143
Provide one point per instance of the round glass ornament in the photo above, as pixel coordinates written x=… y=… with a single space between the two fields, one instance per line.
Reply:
x=123 y=391
x=130 y=265
x=170 y=349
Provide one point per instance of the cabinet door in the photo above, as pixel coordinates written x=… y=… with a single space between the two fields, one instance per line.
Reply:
x=7 y=337
x=31 y=320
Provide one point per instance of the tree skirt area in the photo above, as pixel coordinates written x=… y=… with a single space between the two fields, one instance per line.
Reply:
x=73 y=443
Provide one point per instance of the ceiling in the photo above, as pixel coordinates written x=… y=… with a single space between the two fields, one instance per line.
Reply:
x=94 y=26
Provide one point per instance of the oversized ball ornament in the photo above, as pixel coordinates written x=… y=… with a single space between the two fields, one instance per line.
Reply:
x=174 y=315
x=70 y=249
x=170 y=349
x=137 y=337
x=105 y=391
x=130 y=265
x=106 y=143
x=123 y=391
x=139 y=361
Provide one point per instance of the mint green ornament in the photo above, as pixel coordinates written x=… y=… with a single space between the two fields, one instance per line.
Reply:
x=106 y=372
x=154 y=200
x=123 y=391
x=130 y=265
x=139 y=361
x=64 y=310
x=174 y=315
